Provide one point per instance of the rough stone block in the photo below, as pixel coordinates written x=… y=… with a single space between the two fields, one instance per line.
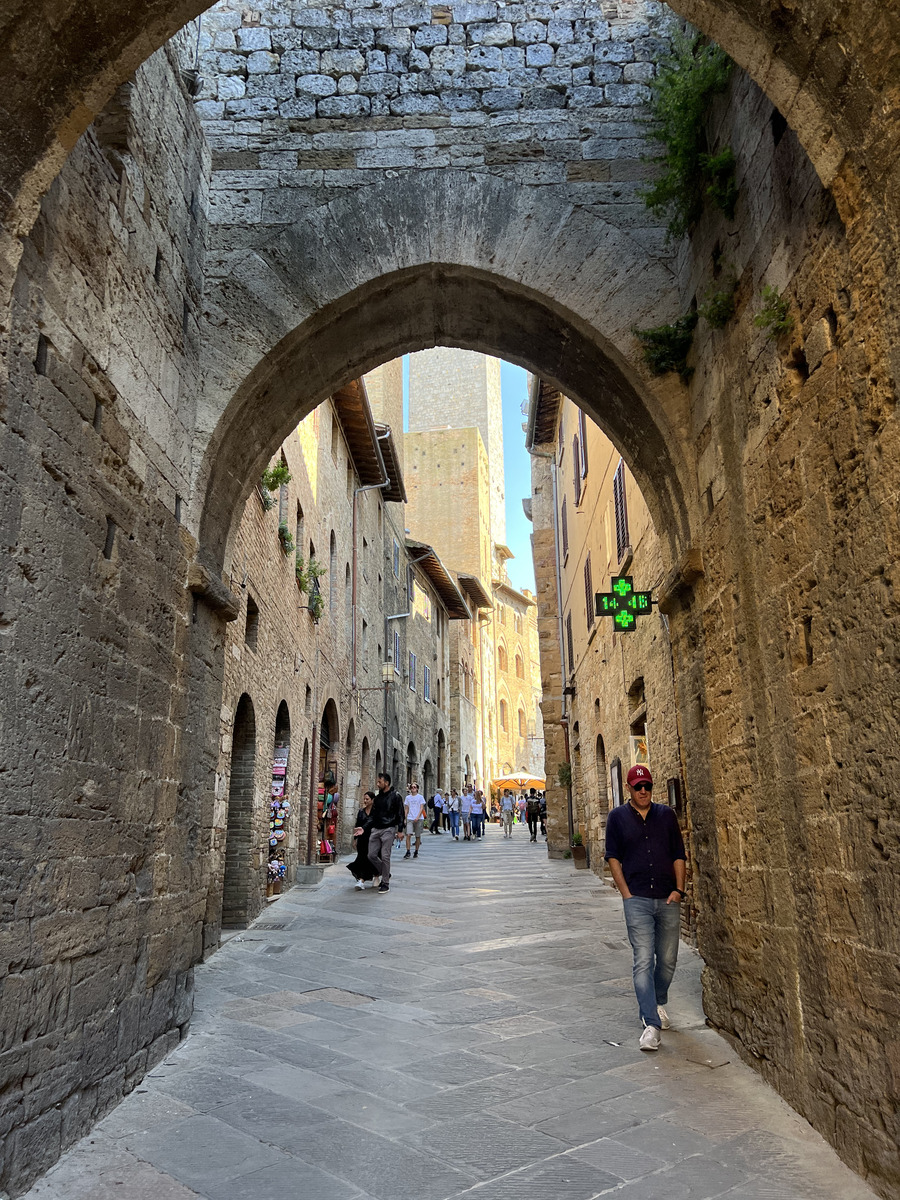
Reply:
x=301 y=62
x=405 y=137
x=463 y=14
x=256 y=37
x=412 y=17
x=484 y=58
x=524 y=77
x=456 y=35
x=586 y=97
x=396 y=156
x=225 y=40
x=530 y=31
x=231 y=87
x=513 y=57
x=210 y=110
x=279 y=86
x=301 y=107
x=393 y=39
x=606 y=73
x=404 y=105
x=341 y=62
x=312 y=16
x=261 y=106
x=320 y=39
x=540 y=54
x=494 y=33
x=639 y=72
x=626 y=94
x=578 y=54
x=460 y=101
x=560 y=32
x=418 y=60
x=262 y=62
x=618 y=52
x=502 y=99
x=348 y=85
x=229 y=64
x=359 y=37
x=316 y=85
x=448 y=58
x=556 y=76
x=431 y=36
x=376 y=61
x=544 y=98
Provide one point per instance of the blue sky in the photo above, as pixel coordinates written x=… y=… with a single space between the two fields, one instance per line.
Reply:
x=516 y=468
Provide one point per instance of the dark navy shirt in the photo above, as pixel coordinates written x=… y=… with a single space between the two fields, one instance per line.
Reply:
x=647 y=848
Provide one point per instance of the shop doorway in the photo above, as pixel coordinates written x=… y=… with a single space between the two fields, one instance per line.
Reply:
x=280 y=867
x=236 y=883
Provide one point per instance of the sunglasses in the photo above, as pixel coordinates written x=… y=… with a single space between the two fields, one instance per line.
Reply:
x=643 y=787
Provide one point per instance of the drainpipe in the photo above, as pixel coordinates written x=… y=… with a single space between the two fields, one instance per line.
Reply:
x=564 y=714
x=353 y=575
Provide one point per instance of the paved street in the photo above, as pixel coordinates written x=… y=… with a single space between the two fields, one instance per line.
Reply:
x=473 y=1032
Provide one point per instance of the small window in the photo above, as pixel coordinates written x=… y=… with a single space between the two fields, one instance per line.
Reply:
x=308 y=700
x=621 y=509
x=251 y=628
x=569 y=648
x=335 y=437
x=426 y=684
x=502 y=660
x=560 y=439
x=565 y=530
x=521 y=722
x=520 y=667
x=582 y=431
x=503 y=715
x=364 y=640
x=396 y=652
x=396 y=558
x=412 y=671
x=576 y=466
x=349 y=481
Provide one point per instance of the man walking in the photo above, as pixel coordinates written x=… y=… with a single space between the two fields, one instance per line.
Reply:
x=465 y=811
x=645 y=852
x=387 y=816
x=438 y=812
x=506 y=812
x=533 y=813
x=415 y=818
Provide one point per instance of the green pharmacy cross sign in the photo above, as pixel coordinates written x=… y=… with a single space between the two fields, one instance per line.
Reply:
x=623 y=603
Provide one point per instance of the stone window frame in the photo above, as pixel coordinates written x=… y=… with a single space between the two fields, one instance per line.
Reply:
x=426 y=683
x=412 y=671
x=396 y=652
x=588 y=592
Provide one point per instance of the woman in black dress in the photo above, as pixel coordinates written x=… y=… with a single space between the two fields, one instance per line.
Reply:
x=361 y=869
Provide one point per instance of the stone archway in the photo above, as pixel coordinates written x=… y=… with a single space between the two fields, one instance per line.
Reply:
x=237 y=887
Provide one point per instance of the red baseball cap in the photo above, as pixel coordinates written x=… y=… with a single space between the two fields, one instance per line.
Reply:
x=639 y=775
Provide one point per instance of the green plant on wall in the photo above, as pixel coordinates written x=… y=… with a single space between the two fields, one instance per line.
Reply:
x=775 y=314
x=315 y=604
x=307 y=573
x=564 y=774
x=666 y=347
x=717 y=308
x=286 y=538
x=276 y=477
x=685 y=82
x=577 y=840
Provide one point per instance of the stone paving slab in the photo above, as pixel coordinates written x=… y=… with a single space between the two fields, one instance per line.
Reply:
x=473 y=1033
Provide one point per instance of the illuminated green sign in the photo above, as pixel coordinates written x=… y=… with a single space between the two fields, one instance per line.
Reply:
x=623 y=603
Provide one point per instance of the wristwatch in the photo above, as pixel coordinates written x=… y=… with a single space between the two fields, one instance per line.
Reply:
x=680 y=892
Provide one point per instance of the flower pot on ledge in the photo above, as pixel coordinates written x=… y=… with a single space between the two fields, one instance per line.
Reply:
x=579 y=857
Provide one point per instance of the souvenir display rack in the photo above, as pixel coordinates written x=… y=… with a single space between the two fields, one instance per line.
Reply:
x=327 y=813
x=280 y=808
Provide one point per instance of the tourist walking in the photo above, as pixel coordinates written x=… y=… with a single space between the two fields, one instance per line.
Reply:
x=438 y=804
x=465 y=812
x=506 y=812
x=387 y=817
x=544 y=813
x=645 y=852
x=361 y=868
x=478 y=814
x=451 y=808
x=415 y=819
x=533 y=813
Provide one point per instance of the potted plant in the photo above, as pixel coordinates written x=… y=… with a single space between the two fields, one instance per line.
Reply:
x=286 y=538
x=579 y=852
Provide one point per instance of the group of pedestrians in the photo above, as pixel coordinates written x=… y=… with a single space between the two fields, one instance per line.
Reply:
x=385 y=819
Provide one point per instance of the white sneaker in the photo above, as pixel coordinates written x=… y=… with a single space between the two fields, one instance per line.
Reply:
x=650 y=1038
x=359 y=885
x=663 y=1017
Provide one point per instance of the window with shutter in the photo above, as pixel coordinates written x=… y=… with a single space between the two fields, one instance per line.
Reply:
x=576 y=467
x=582 y=429
x=565 y=530
x=569 y=650
x=622 y=539
x=588 y=592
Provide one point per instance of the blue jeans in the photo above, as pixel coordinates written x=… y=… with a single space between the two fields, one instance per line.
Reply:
x=654 y=928
x=454 y=823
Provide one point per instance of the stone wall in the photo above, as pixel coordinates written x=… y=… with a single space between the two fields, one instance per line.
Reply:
x=104 y=849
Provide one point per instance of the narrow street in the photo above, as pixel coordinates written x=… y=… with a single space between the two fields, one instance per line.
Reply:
x=474 y=1031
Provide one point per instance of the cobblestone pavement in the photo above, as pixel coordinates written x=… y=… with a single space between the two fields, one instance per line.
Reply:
x=473 y=1032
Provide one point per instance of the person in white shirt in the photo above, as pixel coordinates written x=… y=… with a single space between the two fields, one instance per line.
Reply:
x=465 y=811
x=506 y=812
x=451 y=807
x=415 y=819
x=477 y=817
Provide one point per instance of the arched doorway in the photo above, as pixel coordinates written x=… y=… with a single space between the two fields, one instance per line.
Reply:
x=366 y=779
x=237 y=885
x=281 y=865
x=328 y=800
x=412 y=765
x=442 y=761
x=427 y=779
